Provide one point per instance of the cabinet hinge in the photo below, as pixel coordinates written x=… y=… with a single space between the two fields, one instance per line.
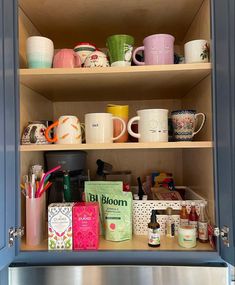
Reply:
x=13 y=233
x=223 y=233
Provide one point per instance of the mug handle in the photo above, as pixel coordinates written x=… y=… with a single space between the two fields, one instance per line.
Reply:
x=83 y=133
x=202 y=124
x=135 y=135
x=55 y=139
x=134 y=54
x=124 y=127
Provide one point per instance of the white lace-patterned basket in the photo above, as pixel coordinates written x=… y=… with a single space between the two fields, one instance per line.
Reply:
x=142 y=211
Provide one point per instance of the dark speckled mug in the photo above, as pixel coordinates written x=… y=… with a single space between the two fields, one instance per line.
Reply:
x=184 y=124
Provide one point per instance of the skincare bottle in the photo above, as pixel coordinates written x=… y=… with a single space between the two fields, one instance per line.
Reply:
x=154 y=231
x=193 y=218
x=170 y=226
x=183 y=215
x=203 y=224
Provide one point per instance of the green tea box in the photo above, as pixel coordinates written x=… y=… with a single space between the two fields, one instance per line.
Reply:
x=60 y=236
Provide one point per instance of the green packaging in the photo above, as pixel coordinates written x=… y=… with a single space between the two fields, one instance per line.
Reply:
x=117 y=215
x=93 y=190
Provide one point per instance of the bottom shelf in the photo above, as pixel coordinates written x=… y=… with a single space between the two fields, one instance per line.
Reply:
x=137 y=243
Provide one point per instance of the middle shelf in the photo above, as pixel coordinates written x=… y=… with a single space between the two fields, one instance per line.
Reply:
x=103 y=146
x=123 y=83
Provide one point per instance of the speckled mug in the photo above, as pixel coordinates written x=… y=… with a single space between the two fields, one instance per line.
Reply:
x=184 y=124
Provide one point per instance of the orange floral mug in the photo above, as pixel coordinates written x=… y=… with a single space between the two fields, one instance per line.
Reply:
x=68 y=131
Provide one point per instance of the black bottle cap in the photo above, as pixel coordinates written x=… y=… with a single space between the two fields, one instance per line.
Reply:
x=154 y=216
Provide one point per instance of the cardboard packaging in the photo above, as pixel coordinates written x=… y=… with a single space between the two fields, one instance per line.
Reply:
x=86 y=226
x=60 y=226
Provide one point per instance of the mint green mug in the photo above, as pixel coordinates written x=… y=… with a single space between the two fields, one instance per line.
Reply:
x=120 y=49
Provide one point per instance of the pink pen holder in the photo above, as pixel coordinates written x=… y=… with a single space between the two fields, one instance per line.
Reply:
x=35 y=220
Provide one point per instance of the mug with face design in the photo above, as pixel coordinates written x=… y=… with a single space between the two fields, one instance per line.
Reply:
x=99 y=127
x=152 y=125
x=68 y=131
x=158 y=49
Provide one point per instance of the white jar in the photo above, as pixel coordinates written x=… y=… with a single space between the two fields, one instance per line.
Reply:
x=187 y=236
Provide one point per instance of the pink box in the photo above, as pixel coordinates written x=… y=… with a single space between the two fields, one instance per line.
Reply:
x=86 y=225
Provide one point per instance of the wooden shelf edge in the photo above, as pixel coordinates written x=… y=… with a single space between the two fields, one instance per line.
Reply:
x=113 y=70
x=138 y=243
x=110 y=146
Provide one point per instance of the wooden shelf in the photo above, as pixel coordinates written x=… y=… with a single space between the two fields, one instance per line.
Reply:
x=95 y=21
x=115 y=83
x=103 y=146
x=137 y=243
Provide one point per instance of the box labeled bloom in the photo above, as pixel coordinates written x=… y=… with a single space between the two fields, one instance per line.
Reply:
x=86 y=226
x=60 y=226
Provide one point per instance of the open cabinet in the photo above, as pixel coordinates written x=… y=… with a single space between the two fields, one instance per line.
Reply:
x=46 y=94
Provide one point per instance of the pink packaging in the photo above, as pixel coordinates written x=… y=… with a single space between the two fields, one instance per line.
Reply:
x=86 y=225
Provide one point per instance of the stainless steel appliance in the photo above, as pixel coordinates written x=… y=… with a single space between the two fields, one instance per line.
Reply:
x=119 y=275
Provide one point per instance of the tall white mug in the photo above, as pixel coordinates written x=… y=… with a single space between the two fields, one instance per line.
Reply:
x=39 y=52
x=152 y=125
x=99 y=127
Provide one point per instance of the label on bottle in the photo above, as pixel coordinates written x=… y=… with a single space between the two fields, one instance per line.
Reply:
x=184 y=222
x=195 y=224
x=154 y=236
x=203 y=230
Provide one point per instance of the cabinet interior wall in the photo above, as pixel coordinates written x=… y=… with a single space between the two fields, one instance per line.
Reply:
x=191 y=167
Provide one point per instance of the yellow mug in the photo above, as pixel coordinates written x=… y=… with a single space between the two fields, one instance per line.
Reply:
x=121 y=111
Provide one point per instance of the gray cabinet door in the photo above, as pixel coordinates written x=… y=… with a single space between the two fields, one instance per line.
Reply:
x=8 y=128
x=223 y=26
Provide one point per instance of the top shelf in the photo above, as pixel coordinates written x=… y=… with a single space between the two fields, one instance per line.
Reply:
x=68 y=22
x=119 y=83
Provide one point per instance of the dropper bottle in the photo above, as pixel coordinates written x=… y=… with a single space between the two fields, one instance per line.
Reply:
x=154 y=231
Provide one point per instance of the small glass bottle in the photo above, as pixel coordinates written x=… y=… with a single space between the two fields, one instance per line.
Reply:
x=154 y=231
x=184 y=219
x=193 y=218
x=170 y=226
x=203 y=224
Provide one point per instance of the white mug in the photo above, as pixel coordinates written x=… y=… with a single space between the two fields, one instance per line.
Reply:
x=39 y=52
x=68 y=131
x=99 y=127
x=152 y=125
x=196 y=51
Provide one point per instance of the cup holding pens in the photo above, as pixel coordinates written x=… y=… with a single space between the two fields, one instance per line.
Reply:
x=35 y=220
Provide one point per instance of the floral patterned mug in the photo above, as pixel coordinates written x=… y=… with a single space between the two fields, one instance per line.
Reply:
x=196 y=51
x=184 y=124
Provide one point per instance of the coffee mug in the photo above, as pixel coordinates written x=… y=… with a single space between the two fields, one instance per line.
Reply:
x=158 y=49
x=99 y=127
x=120 y=49
x=196 y=51
x=120 y=111
x=66 y=58
x=68 y=131
x=83 y=50
x=152 y=125
x=184 y=124
x=34 y=133
x=39 y=52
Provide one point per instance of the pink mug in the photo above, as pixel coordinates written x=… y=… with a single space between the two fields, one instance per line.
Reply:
x=158 y=49
x=66 y=58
